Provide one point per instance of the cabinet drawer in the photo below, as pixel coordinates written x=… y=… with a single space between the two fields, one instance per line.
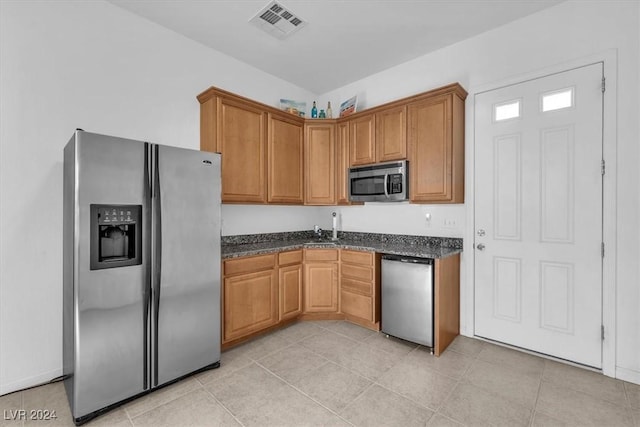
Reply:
x=356 y=257
x=321 y=255
x=356 y=286
x=357 y=305
x=290 y=257
x=249 y=264
x=357 y=272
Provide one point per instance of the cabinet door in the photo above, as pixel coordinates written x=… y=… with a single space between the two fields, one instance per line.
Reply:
x=342 y=168
x=391 y=134
x=357 y=305
x=320 y=164
x=284 y=175
x=290 y=283
x=321 y=287
x=241 y=137
x=250 y=303
x=430 y=150
x=363 y=140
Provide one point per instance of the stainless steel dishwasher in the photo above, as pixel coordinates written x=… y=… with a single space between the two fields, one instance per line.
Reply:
x=407 y=298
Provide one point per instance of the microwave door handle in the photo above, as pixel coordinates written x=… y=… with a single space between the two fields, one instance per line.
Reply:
x=386 y=180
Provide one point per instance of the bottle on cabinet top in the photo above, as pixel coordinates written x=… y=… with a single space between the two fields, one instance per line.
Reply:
x=329 y=112
x=314 y=111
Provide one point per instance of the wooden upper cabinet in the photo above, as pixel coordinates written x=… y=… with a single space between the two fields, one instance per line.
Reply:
x=363 y=140
x=391 y=134
x=342 y=164
x=209 y=124
x=320 y=164
x=436 y=149
x=285 y=160
x=272 y=157
x=241 y=138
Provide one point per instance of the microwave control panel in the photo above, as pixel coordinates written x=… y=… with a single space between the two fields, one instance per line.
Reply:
x=395 y=183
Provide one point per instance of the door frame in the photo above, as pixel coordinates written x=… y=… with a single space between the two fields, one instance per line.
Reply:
x=609 y=58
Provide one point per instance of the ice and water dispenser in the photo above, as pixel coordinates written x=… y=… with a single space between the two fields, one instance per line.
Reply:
x=116 y=236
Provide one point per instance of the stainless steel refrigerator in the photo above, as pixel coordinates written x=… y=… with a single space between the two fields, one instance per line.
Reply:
x=141 y=274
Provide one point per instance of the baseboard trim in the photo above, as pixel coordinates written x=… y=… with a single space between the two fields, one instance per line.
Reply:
x=629 y=375
x=33 y=381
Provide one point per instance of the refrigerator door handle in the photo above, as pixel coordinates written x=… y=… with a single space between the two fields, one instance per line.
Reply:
x=156 y=265
x=147 y=259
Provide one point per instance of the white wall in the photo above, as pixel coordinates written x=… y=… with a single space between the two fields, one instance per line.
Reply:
x=398 y=218
x=568 y=31
x=252 y=219
x=69 y=64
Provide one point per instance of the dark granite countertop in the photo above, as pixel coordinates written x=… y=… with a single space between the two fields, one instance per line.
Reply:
x=416 y=246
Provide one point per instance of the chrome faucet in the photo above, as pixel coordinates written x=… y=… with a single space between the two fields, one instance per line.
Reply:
x=317 y=230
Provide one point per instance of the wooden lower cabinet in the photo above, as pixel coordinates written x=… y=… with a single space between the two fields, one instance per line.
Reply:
x=290 y=284
x=321 y=287
x=260 y=292
x=360 y=287
x=249 y=296
x=446 y=304
x=321 y=281
x=250 y=303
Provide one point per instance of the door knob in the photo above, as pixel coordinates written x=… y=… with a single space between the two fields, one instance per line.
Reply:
x=480 y=246
x=481 y=232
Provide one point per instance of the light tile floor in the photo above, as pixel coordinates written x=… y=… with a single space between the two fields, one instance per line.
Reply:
x=337 y=373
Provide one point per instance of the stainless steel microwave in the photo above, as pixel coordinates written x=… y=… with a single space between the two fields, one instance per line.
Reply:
x=382 y=182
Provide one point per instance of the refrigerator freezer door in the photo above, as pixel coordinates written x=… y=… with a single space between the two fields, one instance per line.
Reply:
x=188 y=302
x=109 y=306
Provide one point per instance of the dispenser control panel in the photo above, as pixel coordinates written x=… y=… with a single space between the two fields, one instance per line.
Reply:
x=113 y=215
x=116 y=236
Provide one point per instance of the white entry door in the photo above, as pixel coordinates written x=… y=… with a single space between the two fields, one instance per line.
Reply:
x=538 y=215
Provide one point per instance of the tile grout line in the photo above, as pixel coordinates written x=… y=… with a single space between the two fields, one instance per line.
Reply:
x=626 y=393
x=303 y=393
x=458 y=382
x=473 y=358
x=224 y=406
x=535 y=405
x=355 y=399
x=436 y=410
x=151 y=394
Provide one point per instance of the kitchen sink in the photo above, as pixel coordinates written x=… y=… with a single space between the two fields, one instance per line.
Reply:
x=320 y=243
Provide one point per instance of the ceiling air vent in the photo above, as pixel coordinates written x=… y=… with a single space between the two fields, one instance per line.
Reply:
x=278 y=21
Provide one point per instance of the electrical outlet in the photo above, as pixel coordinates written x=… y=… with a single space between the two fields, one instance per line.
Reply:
x=450 y=223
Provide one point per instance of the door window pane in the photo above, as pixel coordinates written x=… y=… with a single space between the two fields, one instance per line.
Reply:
x=506 y=110
x=557 y=100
